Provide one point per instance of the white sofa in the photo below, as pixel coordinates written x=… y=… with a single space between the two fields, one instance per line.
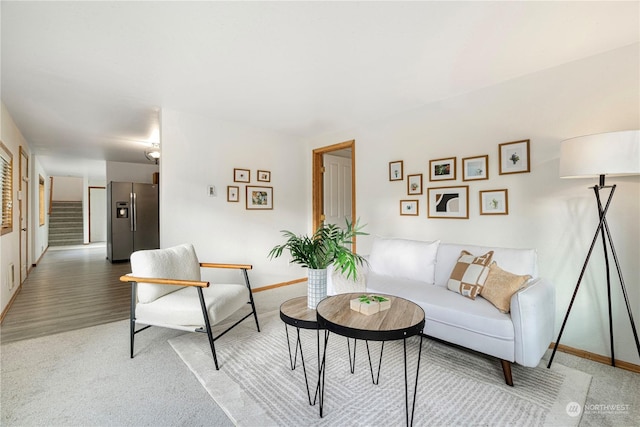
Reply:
x=419 y=271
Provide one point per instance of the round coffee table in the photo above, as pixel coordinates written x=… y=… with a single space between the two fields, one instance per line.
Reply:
x=294 y=312
x=403 y=320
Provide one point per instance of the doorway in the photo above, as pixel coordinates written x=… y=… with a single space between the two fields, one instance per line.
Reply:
x=334 y=176
x=97 y=214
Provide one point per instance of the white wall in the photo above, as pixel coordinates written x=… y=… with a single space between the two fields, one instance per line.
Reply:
x=131 y=172
x=67 y=189
x=198 y=151
x=10 y=242
x=557 y=217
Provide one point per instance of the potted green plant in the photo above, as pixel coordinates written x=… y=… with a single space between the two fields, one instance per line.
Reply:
x=330 y=244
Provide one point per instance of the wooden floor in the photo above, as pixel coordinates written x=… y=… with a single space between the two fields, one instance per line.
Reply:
x=71 y=288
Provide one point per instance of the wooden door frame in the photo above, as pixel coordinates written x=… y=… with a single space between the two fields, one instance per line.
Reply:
x=24 y=201
x=318 y=182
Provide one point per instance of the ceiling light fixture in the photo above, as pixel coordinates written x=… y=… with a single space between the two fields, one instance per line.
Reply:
x=153 y=153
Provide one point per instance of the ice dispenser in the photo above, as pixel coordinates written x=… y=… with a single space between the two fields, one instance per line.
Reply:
x=122 y=209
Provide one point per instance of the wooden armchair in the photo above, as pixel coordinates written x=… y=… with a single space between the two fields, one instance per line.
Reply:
x=167 y=291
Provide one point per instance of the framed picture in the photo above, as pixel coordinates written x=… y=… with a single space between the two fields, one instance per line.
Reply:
x=414 y=184
x=448 y=202
x=264 y=176
x=233 y=194
x=259 y=197
x=475 y=168
x=395 y=171
x=494 y=202
x=442 y=169
x=241 y=175
x=409 y=207
x=514 y=157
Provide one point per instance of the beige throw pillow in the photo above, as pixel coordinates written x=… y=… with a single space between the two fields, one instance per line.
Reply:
x=500 y=287
x=469 y=274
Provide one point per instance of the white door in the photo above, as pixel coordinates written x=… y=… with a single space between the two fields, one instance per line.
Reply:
x=337 y=189
x=97 y=214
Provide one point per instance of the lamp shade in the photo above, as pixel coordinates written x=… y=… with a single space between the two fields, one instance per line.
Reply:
x=612 y=153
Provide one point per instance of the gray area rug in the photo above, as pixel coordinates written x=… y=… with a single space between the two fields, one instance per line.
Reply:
x=255 y=385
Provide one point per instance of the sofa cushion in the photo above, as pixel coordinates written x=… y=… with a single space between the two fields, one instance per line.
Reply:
x=500 y=287
x=517 y=261
x=408 y=259
x=445 y=307
x=469 y=274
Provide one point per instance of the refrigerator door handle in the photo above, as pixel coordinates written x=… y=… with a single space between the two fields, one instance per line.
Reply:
x=134 y=214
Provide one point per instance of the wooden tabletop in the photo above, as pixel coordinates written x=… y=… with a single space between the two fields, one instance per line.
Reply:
x=402 y=320
x=295 y=312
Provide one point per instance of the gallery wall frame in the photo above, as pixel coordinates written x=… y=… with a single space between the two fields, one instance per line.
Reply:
x=241 y=175
x=442 y=169
x=264 y=176
x=259 y=198
x=494 y=202
x=514 y=157
x=409 y=207
x=233 y=193
x=448 y=202
x=395 y=170
x=475 y=168
x=414 y=184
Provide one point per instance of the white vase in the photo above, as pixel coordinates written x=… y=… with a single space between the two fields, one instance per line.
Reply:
x=317 y=287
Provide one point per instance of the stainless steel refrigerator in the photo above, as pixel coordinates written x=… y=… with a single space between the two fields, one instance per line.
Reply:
x=132 y=219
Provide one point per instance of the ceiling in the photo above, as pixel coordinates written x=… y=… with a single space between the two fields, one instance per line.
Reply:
x=85 y=81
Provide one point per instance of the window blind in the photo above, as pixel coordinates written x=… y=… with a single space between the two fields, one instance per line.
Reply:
x=6 y=188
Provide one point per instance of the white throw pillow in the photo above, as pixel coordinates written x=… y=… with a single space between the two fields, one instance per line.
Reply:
x=408 y=259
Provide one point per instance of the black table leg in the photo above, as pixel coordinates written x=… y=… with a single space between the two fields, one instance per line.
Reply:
x=406 y=386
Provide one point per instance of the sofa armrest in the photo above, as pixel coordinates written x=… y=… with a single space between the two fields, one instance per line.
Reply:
x=533 y=312
x=338 y=283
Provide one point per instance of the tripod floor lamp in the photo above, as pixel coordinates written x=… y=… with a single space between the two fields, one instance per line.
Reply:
x=613 y=154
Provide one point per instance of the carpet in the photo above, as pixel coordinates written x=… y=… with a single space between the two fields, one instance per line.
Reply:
x=255 y=385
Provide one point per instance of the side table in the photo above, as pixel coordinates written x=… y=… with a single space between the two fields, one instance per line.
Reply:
x=294 y=312
x=403 y=320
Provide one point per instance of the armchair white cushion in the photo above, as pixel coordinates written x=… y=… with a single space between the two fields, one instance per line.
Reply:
x=167 y=291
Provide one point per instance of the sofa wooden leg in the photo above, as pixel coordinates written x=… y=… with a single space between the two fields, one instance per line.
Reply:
x=506 y=368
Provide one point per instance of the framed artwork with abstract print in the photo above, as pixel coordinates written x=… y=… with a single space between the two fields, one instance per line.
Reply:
x=494 y=202
x=259 y=197
x=409 y=207
x=448 y=202
x=475 y=168
x=514 y=157
x=442 y=169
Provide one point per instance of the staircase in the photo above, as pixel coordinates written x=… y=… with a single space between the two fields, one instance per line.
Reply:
x=65 y=224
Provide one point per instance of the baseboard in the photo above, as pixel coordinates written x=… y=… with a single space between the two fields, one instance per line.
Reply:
x=279 y=285
x=597 y=357
x=13 y=298
x=35 y=264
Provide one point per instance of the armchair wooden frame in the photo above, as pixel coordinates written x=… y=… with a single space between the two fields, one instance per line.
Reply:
x=199 y=285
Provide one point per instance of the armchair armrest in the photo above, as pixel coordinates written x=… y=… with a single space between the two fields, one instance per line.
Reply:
x=217 y=265
x=158 y=281
x=533 y=312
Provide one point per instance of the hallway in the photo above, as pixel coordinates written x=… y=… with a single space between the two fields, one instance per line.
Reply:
x=71 y=288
